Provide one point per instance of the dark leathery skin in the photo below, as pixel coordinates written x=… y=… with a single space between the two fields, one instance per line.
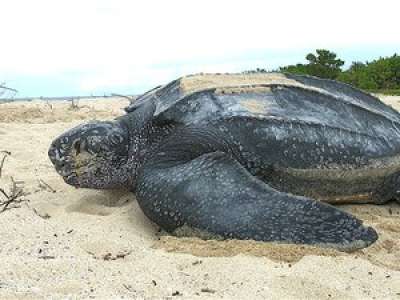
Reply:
x=194 y=179
x=246 y=161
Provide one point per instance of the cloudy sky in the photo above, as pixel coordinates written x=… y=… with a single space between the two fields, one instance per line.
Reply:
x=76 y=47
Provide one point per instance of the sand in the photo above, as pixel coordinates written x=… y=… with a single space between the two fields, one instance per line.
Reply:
x=227 y=83
x=63 y=242
x=198 y=82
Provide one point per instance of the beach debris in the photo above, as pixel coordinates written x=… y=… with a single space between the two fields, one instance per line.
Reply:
x=110 y=256
x=47 y=257
x=129 y=287
x=14 y=197
x=74 y=104
x=130 y=98
x=177 y=293
x=49 y=104
x=40 y=214
x=207 y=290
x=197 y=262
x=45 y=186
x=3 y=159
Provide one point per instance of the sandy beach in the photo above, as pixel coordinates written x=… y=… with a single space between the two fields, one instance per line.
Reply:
x=67 y=243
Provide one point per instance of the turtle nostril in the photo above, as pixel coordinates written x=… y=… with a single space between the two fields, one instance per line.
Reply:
x=77 y=146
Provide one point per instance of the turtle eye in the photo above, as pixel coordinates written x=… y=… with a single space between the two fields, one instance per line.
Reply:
x=116 y=138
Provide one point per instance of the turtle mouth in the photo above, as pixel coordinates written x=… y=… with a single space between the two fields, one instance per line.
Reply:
x=69 y=174
x=74 y=175
x=70 y=166
x=72 y=179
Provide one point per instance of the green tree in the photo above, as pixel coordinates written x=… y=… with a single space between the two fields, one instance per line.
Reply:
x=380 y=75
x=358 y=75
x=324 y=64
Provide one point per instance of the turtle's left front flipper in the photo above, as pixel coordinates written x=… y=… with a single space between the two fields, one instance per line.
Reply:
x=194 y=179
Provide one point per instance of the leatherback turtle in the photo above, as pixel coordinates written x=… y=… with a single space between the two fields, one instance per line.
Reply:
x=245 y=156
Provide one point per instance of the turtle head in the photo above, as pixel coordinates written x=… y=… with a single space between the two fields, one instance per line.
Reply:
x=93 y=155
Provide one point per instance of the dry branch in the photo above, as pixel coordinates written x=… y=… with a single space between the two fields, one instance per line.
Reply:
x=2 y=86
x=6 y=153
x=75 y=104
x=130 y=98
x=39 y=214
x=49 y=104
x=14 y=197
x=4 y=89
x=44 y=185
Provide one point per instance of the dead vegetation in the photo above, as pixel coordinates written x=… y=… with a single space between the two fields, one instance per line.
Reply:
x=14 y=197
x=3 y=159
x=7 y=92
x=111 y=256
x=49 y=105
x=74 y=105
x=45 y=186
x=130 y=98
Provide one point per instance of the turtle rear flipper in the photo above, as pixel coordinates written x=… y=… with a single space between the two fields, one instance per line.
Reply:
x=193 y=180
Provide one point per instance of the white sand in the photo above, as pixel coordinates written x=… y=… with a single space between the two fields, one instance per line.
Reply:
x=96 y=244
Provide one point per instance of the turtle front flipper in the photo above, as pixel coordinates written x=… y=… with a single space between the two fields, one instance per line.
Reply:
x=193 y=180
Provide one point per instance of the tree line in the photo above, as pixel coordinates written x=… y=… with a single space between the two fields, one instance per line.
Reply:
x=381 y=75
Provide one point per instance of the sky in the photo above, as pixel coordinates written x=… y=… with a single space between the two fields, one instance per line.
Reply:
x=85 y=47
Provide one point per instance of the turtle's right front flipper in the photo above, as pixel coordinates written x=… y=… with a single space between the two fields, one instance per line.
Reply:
x=194 y=180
